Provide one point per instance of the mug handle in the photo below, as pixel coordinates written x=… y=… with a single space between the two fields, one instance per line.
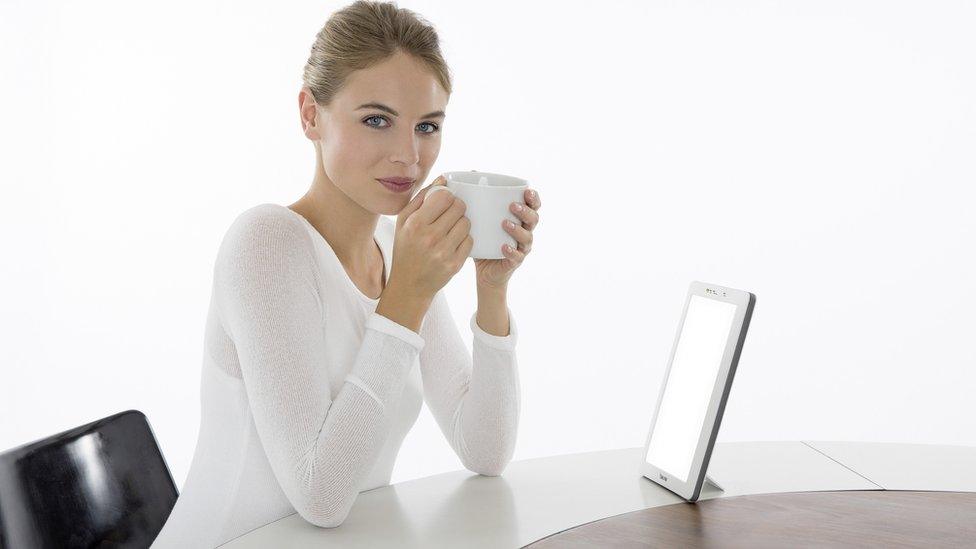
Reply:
x=436 y=188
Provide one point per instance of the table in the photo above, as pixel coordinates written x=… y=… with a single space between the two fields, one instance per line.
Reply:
x=853 y=518
x=536 y=498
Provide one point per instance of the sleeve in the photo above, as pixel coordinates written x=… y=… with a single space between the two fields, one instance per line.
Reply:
x=320 y=449
x=474 y=397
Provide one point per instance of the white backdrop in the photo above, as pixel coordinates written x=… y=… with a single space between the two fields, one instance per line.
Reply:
x=817 y=153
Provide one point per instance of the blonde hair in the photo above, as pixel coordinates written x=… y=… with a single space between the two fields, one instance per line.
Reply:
x=363 y=34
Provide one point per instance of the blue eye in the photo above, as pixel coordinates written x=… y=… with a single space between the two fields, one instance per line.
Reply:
x=434 y=127
x=371 y=118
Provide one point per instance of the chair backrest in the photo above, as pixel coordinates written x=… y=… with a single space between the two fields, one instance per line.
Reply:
x=103 y=484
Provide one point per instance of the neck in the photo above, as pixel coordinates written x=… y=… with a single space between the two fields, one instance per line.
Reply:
x=345 y=225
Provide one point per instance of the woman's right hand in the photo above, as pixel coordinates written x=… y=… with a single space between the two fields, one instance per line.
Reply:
x=431 y=243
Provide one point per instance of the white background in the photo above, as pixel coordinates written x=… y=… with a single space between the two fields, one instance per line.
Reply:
x=819 y=154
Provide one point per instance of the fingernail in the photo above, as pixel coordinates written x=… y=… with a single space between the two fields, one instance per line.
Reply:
x=518 y=207
x=509 y=224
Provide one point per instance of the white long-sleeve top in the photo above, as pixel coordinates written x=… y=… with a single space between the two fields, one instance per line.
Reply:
x=307 y=393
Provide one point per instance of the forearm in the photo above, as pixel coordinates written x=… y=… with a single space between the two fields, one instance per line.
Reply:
x=402 y=307
x=489 y=423
x=492 y=314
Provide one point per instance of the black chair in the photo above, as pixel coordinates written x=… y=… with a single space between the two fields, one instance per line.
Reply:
x=104 y=484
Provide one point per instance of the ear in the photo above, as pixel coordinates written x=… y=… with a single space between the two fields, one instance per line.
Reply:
x=308 y=113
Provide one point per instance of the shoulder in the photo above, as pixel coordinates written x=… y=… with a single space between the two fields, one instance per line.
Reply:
x=268 y=231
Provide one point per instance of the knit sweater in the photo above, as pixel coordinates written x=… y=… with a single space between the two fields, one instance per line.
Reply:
x=307 y=393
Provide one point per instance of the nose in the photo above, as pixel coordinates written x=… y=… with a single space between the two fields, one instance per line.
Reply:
x=407 y=150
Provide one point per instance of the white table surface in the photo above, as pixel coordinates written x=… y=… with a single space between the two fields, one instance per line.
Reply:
x=535 y=498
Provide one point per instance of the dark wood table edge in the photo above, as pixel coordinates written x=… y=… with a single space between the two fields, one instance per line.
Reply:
x=529 y=545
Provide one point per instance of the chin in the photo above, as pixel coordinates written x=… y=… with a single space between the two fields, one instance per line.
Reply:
x=393 y=209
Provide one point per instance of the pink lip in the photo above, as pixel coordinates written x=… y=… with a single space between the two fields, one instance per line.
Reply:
x=394 y=187
x=397 y=180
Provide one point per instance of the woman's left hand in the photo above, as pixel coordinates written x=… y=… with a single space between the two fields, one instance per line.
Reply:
x=494 y=273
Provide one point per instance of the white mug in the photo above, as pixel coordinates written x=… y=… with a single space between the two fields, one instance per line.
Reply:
x=488 y=197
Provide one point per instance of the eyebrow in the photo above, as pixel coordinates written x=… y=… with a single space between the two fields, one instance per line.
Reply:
x=382 y=107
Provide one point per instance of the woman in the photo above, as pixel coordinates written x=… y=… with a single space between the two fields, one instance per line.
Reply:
x=327 y=324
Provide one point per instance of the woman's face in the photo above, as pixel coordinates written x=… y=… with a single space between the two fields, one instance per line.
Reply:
x=361 y=140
